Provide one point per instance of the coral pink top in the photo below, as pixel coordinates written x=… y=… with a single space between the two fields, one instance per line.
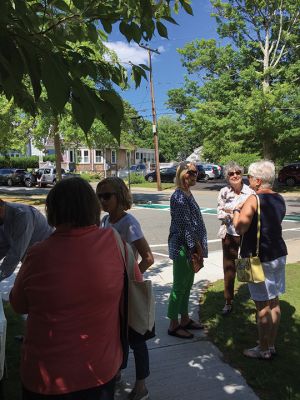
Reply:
x=70 y=285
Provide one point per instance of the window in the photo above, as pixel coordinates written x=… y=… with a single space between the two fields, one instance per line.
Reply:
x=98 y=156
x=86 y=156
x=113 y=157
x=83 y=156
x=137 y=155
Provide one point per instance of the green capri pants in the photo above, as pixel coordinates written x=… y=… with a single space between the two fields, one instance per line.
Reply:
x=183 y=279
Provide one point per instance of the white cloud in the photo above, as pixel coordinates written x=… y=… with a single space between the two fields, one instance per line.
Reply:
x=131 y=52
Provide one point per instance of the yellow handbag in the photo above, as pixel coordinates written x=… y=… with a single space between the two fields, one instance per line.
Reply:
x=250 y=269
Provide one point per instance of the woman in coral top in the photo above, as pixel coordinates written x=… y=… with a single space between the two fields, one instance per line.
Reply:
x=71 y=286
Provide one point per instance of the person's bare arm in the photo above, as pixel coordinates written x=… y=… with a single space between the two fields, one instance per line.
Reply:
x=145 y=252
x=243 y=219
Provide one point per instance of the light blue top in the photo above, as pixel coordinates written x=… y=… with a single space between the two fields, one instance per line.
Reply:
x=23 y=226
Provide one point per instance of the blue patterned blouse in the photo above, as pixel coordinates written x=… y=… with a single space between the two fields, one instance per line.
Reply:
x=187 y=225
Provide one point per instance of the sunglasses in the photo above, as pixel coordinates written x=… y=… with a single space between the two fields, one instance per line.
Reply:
x=234 y=173
x=105 y=196
x=192 y=173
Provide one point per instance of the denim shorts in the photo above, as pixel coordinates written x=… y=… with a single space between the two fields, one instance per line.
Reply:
x=274 y=284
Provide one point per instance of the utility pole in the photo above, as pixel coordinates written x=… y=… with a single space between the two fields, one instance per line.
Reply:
x=154 y=120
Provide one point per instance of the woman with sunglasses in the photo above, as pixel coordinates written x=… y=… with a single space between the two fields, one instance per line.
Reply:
x=272 y=253
x=115 y=199
x=229 y=197
x=187 y=238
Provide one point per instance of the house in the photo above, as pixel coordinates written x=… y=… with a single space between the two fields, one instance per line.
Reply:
x=107 y=159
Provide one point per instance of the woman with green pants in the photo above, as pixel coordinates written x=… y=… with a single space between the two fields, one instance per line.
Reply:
x=187 y=238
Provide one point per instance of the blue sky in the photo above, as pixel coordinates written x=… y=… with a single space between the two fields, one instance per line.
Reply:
x=167 y=70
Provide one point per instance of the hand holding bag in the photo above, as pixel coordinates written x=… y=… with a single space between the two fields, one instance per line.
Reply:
x=141 y=300
x=249 y=269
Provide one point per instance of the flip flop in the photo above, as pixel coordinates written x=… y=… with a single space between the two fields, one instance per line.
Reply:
x=175 y=333
x=193 y=325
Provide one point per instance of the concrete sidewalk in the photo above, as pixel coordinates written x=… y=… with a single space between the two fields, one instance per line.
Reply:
x=186 y=369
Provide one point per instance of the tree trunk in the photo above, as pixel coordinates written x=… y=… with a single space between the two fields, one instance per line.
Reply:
x=57 y=149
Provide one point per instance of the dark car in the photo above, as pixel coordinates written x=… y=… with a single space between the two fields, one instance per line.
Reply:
x=290 y=174
x=11 y=176
x=30 y=179
x=201 y=172
x=166 y=175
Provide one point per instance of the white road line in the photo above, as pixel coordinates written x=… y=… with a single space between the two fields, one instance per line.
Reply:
x=160 y=254
x=166 y=244
x=291 y=229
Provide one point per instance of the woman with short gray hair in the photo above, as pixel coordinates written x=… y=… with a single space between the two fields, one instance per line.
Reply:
x=231 y=195
x=272 y=253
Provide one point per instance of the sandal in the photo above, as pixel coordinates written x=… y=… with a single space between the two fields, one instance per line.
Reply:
x=257 y=353
x=175 y=333
x=226 y=309
x=193 y=325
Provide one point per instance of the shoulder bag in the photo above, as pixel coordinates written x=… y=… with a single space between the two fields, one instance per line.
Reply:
x=249 y=269
x=141 y=300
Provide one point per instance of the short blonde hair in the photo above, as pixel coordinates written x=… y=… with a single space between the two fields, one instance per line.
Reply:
x=264 y=170
x=182 y=169
x=123 y=194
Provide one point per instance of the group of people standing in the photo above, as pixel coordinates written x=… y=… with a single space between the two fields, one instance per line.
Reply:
x=239 y=208
x=71 y=284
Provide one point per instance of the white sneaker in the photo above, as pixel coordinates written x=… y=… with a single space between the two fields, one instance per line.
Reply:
x=256 y=352
x=133 y=395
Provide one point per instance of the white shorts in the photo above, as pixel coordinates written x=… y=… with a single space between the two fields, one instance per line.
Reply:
x=274 y=284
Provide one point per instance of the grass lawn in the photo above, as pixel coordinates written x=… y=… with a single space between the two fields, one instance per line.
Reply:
x=152 y=185
x=277 y=379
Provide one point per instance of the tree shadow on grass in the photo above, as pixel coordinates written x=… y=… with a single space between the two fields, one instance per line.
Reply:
x=276 y=379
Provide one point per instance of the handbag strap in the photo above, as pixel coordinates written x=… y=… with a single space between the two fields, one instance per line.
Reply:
x=127 y=255
x=258 y=225
x=257 y=229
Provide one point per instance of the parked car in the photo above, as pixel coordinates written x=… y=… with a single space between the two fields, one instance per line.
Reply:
x=219 y=170
x=134 y=169
x=211 y=171
x=166 y=175
x=290 y=174
x=11 y=176
x=201 y=172
x=29 y=179
x=47 y=175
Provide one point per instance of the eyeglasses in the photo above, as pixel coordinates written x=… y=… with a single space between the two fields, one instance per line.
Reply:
x=234 y=173
x=192 y=172
x=105 y=196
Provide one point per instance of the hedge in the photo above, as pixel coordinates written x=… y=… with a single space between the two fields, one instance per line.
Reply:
x=23 y=162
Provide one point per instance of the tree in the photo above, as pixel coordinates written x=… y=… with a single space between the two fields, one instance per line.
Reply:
x=248 y=98
x=14 y=128
x=59 y=45
x=174 y=141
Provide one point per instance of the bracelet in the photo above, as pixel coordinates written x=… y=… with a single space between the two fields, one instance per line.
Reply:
x=236 y=210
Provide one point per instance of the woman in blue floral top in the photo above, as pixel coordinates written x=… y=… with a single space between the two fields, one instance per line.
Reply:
x=187 y=239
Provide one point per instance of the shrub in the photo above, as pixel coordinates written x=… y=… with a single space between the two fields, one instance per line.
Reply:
x=137 y=178
x=92 y=176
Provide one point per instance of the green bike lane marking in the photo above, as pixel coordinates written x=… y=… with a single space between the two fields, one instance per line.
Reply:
x=209 y=211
